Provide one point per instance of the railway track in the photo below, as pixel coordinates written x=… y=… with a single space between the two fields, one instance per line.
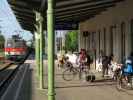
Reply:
x=6 y=76
x=5 y=67
x=8 y=73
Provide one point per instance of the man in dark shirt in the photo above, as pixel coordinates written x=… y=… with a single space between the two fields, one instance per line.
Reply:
x=105 y=62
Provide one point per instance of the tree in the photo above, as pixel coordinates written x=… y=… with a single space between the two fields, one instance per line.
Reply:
x=2 y=39
x=71 y=41
x=2 y=42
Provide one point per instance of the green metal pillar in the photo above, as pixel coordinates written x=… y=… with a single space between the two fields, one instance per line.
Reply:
x=41 y=52
x=37 y=50
x=50 y=30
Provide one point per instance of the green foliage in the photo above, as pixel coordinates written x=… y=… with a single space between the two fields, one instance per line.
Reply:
x=2 y=39
x=71 y=42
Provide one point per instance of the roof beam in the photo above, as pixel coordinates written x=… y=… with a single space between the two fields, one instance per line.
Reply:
x=24 y=15
x=27 y=27
x=82 y=13
x=25 y=19
x=18 y=3
x=73 y=2
x=86 y=9
x=87 y=5
x=76 y=18
x=23 y=10
x=25 y=22
x=78 y=14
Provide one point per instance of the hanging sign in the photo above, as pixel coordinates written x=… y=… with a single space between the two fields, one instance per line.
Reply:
x=66 y=26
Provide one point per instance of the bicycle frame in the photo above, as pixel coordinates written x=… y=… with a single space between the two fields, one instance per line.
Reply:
x=122 y=82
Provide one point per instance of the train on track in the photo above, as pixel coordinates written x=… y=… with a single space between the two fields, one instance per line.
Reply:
x=15 y=48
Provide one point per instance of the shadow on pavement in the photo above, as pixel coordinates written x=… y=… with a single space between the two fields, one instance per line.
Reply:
x=86 y=85
x=26 y=89
x=31 y=57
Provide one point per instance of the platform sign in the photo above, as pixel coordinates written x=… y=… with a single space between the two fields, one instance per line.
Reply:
x=66 y=26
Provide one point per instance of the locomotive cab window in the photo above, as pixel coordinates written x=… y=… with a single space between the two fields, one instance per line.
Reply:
x=19 y=44
x=9 y=43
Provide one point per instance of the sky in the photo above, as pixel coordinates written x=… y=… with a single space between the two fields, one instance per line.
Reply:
x=8 y=22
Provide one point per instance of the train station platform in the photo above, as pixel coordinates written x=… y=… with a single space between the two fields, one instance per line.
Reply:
x=68 y=90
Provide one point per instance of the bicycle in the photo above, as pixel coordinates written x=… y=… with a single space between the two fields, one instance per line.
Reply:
x=62 y=62
x=72 y=71
x=122 y=83
x=82 y=69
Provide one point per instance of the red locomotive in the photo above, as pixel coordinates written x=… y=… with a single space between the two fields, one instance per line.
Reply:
x=15 y=48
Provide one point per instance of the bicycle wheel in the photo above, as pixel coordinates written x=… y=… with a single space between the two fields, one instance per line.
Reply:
x=123 y=84
x=131 y=81
x=82 y=73
x=129 y=86
x=119 y=82
x=119 y=78
x=68 y=74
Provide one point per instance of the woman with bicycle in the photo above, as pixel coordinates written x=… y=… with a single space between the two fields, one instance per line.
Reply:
x=128 y=68
x=125 y=75
x=82 y=55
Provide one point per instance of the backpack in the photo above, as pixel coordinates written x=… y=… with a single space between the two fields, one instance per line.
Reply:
x=128 y=68
x=105 y=60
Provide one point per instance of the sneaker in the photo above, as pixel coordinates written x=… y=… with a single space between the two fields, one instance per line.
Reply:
x=128 y=84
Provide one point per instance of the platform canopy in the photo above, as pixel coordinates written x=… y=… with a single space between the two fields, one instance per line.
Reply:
x=66 y=11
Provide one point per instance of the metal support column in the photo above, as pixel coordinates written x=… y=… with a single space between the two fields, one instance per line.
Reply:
x=37 y=46
x=41 y=52
x=50 y=29
x=37 y=55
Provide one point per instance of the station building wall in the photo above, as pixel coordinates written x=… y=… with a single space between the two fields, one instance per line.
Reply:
x=111 y=31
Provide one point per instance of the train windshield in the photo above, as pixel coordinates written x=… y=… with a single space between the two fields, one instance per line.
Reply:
x=9 y=43
x=15 y=43
x=19 y=44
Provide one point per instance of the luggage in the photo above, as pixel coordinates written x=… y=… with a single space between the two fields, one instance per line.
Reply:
x=90 y=78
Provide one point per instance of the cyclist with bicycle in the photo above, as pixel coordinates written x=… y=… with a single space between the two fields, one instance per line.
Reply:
x=82 y=56
x=61 y=61
x=127 y=69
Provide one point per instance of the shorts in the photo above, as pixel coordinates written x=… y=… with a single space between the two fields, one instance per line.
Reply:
x=127 y=74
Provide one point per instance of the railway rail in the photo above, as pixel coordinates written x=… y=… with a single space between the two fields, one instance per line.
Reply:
x=8 y=73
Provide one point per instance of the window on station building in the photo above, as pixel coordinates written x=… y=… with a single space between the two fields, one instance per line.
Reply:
x=111 y=40
x=85 y=35
x=104 y=37
x=131 y=29
x=123 y=32
x=99 y=40
x=93 y=40
x=89 y=43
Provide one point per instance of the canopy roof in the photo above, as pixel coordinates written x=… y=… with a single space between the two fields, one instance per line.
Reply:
x=73 y=11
